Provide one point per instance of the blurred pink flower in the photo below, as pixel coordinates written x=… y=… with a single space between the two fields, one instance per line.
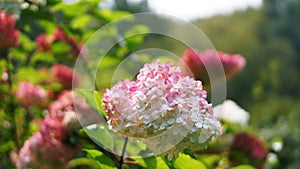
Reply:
x=197 y=60
x=52 y=128
x=65 y=76
x=60 y=35
x=250 y=147
x=44 y=42
x=63 y=104
x=8 y=33
x=162 y=99
x=31 y=95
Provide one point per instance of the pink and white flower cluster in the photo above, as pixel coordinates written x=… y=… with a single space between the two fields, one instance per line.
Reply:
x=160 y=100
x=50 y=147
x=31 y=95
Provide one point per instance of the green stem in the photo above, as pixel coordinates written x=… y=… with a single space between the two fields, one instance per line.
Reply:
x=123 y=153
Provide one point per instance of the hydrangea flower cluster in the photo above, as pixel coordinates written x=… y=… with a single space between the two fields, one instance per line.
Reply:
x=31 y=95
x=49 y=147
x=162 y=102
x=197 y=60
x=8 y=33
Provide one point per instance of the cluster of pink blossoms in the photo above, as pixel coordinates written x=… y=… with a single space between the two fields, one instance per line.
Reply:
x=49 y=147
x=8 y=33
x=31 y=95
x=197 y=60
x=160 y=100
x=44 y=42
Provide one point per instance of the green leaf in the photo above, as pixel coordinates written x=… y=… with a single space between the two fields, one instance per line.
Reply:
x=186 y=162
x=48 y=26
x=71 y=9
x=244 y=167
x=101 y=160
x=137 y=30
x=152 y=163
x=60 y=47
x=81 y=21
x=135 y=36
x=209 y=159
x=26 y=42
x=109 y=16
x=41 y=59
x=81 y=163
x=19 y=55
x=98 y=97
x=161 y=164
x=29 y=74
x=101 y=134
x=133 y=147
x=5 y=147
x=189 y=152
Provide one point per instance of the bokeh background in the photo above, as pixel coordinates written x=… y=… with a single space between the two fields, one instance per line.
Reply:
x=266 y=33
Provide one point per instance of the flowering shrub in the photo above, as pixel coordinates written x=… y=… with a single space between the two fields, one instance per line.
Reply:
x=40 y=117
x=50 y=146
x=47 y=148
